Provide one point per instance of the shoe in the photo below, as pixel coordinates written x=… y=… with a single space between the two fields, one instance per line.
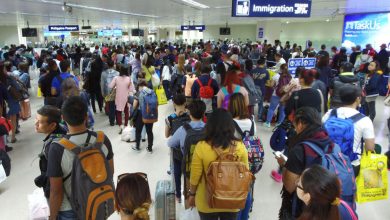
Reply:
x=169 y=172
x=8 y=149
x=17 y=131
x=260 y=120
x=277 y=124
x=135 y=148
x=267 y=124
x=149 y=149
x=276 y=176
x=121 y=129
x=13 y=141
x=112 y=124
x=143 y=140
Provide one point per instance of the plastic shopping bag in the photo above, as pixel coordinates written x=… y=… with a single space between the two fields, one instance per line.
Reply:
x=39 y=92
x=155 y=80
x=161 y=97
x=37 y=205
x=190 y=214
x=128 y=134
x=3 y=175
x=372 y=182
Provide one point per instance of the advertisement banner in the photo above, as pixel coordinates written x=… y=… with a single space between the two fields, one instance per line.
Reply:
x=193 y=27
x=271 y=8
x=362 y=29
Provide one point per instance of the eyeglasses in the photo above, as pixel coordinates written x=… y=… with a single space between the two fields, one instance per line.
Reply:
x=298 y=186
x=143 y=175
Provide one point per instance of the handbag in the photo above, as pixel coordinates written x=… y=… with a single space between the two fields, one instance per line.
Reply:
x=111 y=97
x=372 y=182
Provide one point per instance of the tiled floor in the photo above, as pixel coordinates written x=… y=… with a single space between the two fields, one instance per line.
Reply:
x=14 y=191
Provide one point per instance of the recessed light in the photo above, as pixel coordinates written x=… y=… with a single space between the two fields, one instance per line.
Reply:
x=327 y=20
x=287 y=22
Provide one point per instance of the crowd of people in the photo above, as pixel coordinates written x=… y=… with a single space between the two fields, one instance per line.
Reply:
x=219 y=92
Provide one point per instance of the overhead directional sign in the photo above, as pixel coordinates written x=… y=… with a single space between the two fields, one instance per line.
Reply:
x=63 y=28
x=193 y=27
x=271 y=8
x=308 y=63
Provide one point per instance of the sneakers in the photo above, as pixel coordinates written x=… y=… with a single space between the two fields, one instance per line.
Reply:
x=149 y=149
x=267 y=124
x=276 y=176
x=8 y=149
x=143 y=140
x=135 y=148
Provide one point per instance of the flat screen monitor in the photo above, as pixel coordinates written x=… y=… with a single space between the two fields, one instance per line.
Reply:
x=137 y=32
x=29 y=32
x=224 y=31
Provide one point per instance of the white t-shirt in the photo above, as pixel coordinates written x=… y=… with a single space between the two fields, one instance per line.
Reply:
x=245 y=125
x=275 y=78
x=362 y=128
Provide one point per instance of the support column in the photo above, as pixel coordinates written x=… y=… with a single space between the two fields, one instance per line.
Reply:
x=270 y=30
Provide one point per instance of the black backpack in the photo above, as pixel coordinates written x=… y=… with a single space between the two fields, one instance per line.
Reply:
x=176 y=122
x=5 y=160
x=192 y=138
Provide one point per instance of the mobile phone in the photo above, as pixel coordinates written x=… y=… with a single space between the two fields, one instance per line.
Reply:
x=279 y=154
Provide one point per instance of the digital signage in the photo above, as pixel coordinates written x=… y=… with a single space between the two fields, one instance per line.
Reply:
x=362 y=29
x=271 y=8
x=63 y=28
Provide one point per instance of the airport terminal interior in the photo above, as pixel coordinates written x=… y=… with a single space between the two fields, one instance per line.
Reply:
x=288 y=37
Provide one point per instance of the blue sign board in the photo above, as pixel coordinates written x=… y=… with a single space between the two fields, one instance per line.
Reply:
x=193 y=27
x=308 y=63
x=271 y=8
x=63 y=28
x=362 y=29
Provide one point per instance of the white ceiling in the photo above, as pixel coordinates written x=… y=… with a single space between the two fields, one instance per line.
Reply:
x=170 y=13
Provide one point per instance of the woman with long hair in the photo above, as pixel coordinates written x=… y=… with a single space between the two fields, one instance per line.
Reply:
x=132 y=196
x=320 y=191
x=371 y=89
x=231 y=86
x=219 y=135
x=123 y=87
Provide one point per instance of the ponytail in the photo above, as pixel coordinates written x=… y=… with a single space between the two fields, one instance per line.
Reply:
x=142 y=213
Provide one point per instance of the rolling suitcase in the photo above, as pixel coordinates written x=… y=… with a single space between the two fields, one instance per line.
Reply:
x=165 y=208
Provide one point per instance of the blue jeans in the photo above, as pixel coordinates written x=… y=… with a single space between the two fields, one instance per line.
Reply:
x=177 y=172
x=274 y=103
x=244 y=213
x=66 y=215
x=111 y=111
x=260 y=107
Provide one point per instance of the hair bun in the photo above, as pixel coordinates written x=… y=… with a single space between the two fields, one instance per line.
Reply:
x=142 y=212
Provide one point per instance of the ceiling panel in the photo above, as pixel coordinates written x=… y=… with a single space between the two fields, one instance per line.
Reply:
x=170 y=13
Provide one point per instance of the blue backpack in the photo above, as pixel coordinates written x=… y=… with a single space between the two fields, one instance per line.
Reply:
x=336 y=162
x=225 y=103
x=149 y=108
x=341 y=131
x=280 y=135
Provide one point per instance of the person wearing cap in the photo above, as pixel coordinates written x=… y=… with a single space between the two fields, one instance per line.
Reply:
x=383 y=58
x=346 y=77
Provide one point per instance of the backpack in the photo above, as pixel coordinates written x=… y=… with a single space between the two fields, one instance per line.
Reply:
x=92 y=184
x=283 y=81
x=206 y=92
x=193 y=136
x=176 y=83
x=149 y=108
x=254 y=91
x=15 y=89
x=341 y=131
x=226 y=99
x=254 y=147
x=176 y=122
x=5 y=161
x=280 y=134
x=336 y=162
x=228 y=181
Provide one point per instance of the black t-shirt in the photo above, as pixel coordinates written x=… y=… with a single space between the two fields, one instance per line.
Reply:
x=296 y=160
x=304 y=98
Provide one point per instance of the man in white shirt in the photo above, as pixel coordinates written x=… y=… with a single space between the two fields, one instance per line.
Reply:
x=279 y=61
x=363 y=128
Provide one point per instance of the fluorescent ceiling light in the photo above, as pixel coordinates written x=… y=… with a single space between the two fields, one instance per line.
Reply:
x=196 y=4
x=99 y=9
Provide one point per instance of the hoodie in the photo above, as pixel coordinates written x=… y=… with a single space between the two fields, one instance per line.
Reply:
x=340 y=81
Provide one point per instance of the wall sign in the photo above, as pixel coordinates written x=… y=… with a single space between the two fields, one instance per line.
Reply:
x=260 y=34
x=193 y=28
x=308 y=63
x=63 y=27
x=271 y=8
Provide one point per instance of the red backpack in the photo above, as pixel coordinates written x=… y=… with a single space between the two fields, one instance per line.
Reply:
x=206 y=92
